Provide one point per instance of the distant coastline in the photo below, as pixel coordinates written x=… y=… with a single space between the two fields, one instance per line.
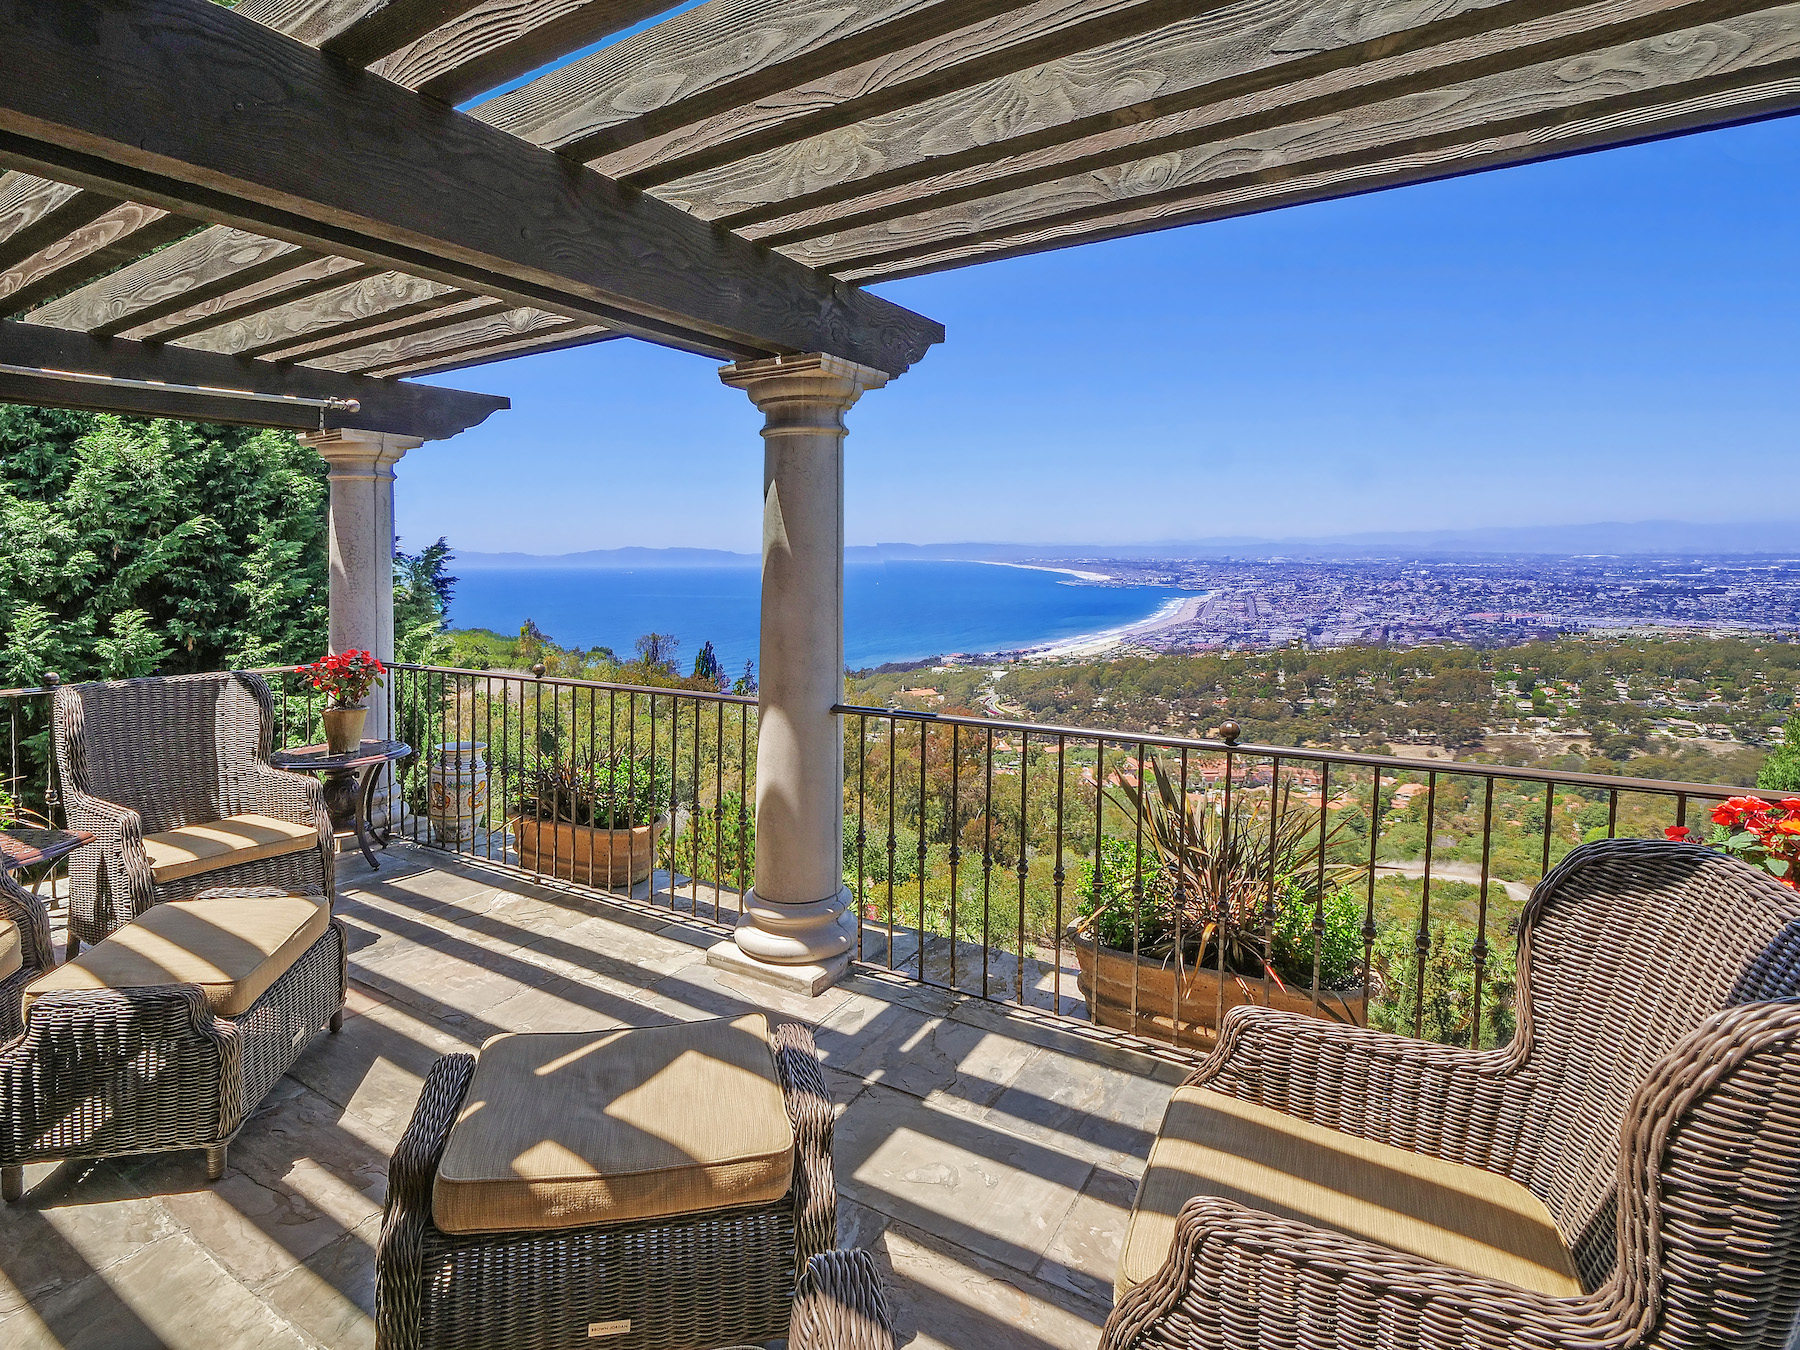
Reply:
x=1075 y=572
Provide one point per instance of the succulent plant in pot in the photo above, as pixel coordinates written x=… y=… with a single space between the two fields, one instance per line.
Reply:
x=1223 y=905
x=593 y=820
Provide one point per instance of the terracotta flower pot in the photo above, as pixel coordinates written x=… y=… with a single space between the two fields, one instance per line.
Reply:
x=344 y=729
x=584 y=853
x=1190 y=1015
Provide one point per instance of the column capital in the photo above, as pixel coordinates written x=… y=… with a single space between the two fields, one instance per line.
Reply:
x=353 y=451
x=802 y=393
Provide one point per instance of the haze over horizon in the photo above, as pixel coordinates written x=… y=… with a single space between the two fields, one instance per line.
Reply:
x=1607 y=337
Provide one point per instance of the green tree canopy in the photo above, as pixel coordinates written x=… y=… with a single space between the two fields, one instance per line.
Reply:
x=131 y=546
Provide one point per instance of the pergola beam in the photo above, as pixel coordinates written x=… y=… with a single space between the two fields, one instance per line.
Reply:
x=288 y=142
x=198 y=386
x=499 y=40
x=1196 y=196
x=358 y=31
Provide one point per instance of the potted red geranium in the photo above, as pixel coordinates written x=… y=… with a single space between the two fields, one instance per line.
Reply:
x=345 y=679
x=1763 y=834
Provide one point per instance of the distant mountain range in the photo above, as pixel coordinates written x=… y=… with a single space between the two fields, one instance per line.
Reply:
x=1647 y=538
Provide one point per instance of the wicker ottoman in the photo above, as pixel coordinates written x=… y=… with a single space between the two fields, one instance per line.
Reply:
x=637 y=1189
x=168 y=1033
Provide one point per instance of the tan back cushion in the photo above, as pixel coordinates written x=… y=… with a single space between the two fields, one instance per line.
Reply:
x=233 y=948
x=193 y=849
x=566 y=1129
x=12 y=949
x=1463 y=1217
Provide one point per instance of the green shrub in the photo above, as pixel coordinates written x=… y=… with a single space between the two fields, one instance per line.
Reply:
x=1447 y=1013
x=611 y=792
x=875 y=866
x=717 y=844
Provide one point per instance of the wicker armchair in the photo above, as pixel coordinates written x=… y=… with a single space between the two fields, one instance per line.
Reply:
x=141 y=757
x=731 y=1276
x=1650 y=1100
x=30 y=929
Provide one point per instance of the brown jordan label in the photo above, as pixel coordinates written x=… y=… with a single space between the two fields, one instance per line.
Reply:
x=618 y=1328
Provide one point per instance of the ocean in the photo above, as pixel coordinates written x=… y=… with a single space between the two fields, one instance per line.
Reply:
x=894 y=611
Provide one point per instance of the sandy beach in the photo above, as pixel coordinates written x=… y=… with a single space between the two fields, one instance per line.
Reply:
x=1042 y=567
x=1181 y=610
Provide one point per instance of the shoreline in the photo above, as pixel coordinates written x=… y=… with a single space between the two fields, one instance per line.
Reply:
x=1075 y=572
x=1175 y=610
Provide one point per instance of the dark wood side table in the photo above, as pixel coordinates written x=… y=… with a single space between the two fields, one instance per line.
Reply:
x=349 y=784
x=24 y=848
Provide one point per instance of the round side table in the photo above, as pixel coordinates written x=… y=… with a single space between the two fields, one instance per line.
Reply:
x=349 y=784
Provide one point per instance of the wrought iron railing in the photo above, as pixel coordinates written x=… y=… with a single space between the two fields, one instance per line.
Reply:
x=666 y=774
x=1018 y=862
x=1034 y=864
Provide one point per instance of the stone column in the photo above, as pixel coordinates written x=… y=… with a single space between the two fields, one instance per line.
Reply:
x=361 y=529
x=797 y=928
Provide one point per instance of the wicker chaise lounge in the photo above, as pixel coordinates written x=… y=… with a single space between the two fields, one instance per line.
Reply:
x=167 y=1034
x=1625 y=1173
x=170 y=775
x=657 y=1188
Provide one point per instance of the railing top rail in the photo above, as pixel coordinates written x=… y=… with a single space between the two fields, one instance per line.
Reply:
x=526 y=677
x=35 y=690
x=1560 y=776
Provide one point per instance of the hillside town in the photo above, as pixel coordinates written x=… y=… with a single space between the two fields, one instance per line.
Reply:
x=1486 y=601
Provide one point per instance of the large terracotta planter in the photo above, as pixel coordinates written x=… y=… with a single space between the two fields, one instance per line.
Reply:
x=594 y=857
x=1192 y=1016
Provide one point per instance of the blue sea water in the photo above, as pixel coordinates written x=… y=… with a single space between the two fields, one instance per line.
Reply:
x=894 y=611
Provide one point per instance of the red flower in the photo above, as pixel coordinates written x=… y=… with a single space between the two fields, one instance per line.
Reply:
x=1677 y=832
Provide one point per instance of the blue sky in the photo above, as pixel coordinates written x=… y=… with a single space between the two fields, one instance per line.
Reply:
x=1609 y=337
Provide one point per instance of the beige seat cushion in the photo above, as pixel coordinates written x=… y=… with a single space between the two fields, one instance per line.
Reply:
x=1215 y=1145
x=566 y=1129
x=233 y=948
x=193 y=849
x=12 y=950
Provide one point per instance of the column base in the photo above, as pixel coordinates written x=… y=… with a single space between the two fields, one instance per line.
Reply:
x=808 y=980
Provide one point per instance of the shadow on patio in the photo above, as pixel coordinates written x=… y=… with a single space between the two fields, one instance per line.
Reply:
x=988 y=1159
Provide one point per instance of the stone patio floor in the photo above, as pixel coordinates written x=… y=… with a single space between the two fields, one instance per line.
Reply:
x=988 y=1158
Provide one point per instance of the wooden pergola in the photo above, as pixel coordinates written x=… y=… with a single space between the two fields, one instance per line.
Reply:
x=276 y=213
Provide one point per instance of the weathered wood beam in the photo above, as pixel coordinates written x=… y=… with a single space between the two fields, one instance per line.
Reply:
x=499 y=40
x=516 y=328
x=469 y=331
x=714 y=57
x=358 y=31
x=35 y=213
x=1014 y=41
x=571 y=335
x=213 y=263
x=1707 y=77
x=1240 y=48
x=359 y=300
x=244 y=303
x=1552 y=37
x=315 y=350
x=285 y=141
x=34 y=358
x=102 y=246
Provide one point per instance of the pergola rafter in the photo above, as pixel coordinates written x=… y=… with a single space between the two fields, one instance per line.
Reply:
x=341 y=222
x=54 y=368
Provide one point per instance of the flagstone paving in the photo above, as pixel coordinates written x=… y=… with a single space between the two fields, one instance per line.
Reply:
x=987 y=1158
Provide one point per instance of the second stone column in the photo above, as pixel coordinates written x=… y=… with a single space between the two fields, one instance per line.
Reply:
x=797 y=928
